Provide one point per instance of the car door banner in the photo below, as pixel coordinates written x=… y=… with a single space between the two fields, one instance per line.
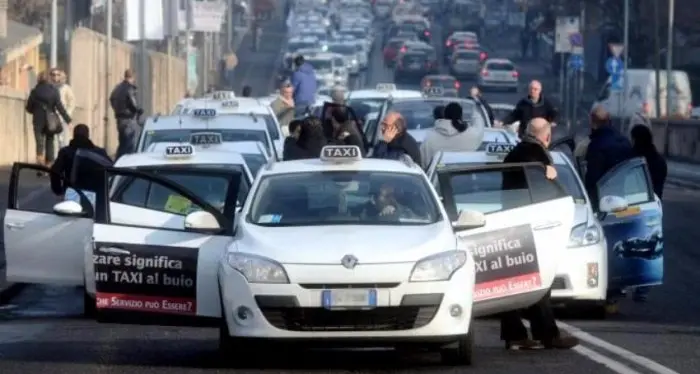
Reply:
x=146 y=278
x=506 y=262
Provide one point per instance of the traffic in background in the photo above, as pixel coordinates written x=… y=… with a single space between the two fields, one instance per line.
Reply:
x=40 y=330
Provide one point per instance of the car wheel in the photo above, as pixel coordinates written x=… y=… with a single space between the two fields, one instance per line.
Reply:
x=89 y=305
x=462 y=354
x=598 y=311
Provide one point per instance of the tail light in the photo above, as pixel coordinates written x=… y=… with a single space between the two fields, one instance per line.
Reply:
x=457 y=85
x=427 y=83
x=448 y=43
x=426 y=33
x=404 y=49
x=516 y=74
x=482 y=56
x=484 y=73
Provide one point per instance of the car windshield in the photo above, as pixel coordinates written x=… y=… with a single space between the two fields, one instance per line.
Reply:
x=321 y=64
x=212 y=189
x=500 y=66
x=343 y=49
x=419 y=113
x=183 y=136
x=343 y=198
x=295 y=46
x=255 y=161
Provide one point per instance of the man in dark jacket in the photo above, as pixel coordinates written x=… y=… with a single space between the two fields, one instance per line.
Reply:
x=533 y=106
x=304 y=81
x=545 y=333
x=310 y=142
x=397 y=141
x=475 y=94
x=78 y=167
x=43 y=103
x=606 y=149
x=126 y=111
x=344 y=130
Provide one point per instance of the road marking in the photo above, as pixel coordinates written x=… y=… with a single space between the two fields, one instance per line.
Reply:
x=606 y=361
x=619 y=351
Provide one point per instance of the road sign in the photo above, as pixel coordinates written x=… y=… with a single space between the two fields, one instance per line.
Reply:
x=565 y=27
x=576 y=39
x=616 y=83
x=207 y=16
x=576 y=62
x=614 y=66
x=616 y=49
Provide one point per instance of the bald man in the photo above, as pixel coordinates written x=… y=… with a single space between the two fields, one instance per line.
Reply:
x=396 y=141
x=533 y=106
x=545 y=333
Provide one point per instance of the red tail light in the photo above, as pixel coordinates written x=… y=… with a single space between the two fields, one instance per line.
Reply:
x=427 y=84
x=484 y=73
x=404 y=49
x=516 y=74
x=426 y=33
x=646 y=109
x=448 y=43
x=482 y=56
x=457 y=85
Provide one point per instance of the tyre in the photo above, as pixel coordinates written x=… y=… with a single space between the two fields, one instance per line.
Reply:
x=462 y=354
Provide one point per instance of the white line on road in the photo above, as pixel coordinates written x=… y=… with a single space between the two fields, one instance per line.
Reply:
x=619 y=351
x=606 y=361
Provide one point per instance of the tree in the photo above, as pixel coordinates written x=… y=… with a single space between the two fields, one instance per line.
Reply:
x=35 y=13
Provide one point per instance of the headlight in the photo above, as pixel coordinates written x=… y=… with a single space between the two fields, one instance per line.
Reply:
x=354 y=62
x=257 y=269
x=583 y=235
x=439 y=267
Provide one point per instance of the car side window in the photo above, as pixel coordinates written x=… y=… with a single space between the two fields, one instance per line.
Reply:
x=135 y=193
x=632 y=185
x=141 y=193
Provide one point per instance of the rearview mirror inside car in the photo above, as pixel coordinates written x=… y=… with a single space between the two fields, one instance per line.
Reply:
x=201 y=220
x=612 y=204
x=68 y=208
x=469 y=219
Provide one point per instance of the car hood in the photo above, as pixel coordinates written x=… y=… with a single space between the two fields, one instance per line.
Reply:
x=329 y=244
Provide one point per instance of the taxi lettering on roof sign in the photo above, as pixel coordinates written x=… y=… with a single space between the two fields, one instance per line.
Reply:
x=230 y=104
x=341 y=153
x=179 y=151
x=205 y=138
x=434 y=91
x=223 y=95
x=386 y=87
x=204 y=113
x=499 y=148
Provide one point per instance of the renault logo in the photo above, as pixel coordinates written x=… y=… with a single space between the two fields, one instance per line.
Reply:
x=349 y=261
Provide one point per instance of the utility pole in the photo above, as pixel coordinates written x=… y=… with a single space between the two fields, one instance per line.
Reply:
x=669 y=69
x=626 y=53
x=54 y=33
x=188 y=46
x=143 y=54
x=657 y=56
x=108 y=70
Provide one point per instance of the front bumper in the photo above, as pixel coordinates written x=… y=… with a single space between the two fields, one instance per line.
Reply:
x=498 y=83
x=404 y=311
x=582 y=275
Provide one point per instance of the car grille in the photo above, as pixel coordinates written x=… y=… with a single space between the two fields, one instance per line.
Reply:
x=559 y=284
x=377 y=319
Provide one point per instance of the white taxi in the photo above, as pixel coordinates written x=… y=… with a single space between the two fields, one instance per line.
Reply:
x=327 y=71
x=585 y=271
x=499 y=73
x=232 y=127
x=374 y=98
x=154 y=211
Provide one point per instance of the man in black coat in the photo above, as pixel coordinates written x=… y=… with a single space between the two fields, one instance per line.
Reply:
x=126 y=112
x=396 y=140
x=545 y=333
x=78 y=166
x=476 y=94
x=533 y=106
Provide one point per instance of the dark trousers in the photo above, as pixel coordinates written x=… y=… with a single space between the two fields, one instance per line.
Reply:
x=542 y=323
x=128 y=130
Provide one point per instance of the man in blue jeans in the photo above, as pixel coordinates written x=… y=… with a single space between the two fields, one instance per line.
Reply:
x=126 y=112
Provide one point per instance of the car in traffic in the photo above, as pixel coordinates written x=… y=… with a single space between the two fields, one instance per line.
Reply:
x=447 y=84
x=466 y=39
x=466 y=63
x=392 y=49
x=499 y=73
x=414 y=63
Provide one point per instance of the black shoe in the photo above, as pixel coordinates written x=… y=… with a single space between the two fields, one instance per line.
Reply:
x=523 y=345
x=562 y=342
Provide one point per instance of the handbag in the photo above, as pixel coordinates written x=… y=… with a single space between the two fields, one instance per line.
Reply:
x=53 y=124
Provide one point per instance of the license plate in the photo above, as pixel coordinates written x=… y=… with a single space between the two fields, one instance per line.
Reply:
x=351 y=298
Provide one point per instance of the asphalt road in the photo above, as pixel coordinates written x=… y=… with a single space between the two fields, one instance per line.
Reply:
x=41 y=330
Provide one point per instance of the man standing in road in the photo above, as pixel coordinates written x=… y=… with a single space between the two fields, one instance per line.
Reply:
x=304 y=83
x=283 y=107
x=533 y=106
x=545 y=333
x=476 y=94
x=126 y=112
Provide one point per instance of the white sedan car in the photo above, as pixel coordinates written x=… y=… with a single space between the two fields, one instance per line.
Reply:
x=499 y=73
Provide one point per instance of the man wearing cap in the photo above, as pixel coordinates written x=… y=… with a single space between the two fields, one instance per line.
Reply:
x=126 y=112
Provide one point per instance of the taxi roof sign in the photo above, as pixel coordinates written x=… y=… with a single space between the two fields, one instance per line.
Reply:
x=434 y=91
x=203 y=113
x=179 y=151
x=230 y=104
x=499 y=148
x=205 y=138
x=386 y=87
x=341 y=153
x=223 y=95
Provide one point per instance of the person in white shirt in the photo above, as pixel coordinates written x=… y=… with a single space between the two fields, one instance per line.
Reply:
x=451 y=133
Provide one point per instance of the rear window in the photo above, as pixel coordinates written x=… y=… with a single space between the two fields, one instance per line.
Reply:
x=468 y=55
x=442 y=82
x=500 y=66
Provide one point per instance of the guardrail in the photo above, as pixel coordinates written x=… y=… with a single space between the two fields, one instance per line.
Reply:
x=683 y=138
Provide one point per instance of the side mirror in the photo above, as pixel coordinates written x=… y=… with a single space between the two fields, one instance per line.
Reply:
x=469 y=219
x=201 y=220
x=612 y=204
x=68 y=208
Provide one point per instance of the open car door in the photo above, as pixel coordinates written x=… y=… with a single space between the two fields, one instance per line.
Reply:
x=528 y=223
x=155 y=274
x=631 y=216
x=326 y=115
x=46 y=247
